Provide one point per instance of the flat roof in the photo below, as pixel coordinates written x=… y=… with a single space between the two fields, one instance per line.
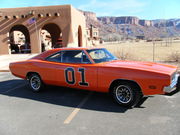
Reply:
x=77 y=48
x=36 y=7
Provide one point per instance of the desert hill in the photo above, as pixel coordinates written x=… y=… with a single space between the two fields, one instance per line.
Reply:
x=132 y=27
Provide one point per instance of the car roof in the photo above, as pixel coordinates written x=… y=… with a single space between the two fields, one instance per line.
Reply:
x=78 y=48
x=50 y=52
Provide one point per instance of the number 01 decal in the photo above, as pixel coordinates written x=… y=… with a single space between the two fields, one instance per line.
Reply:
x=69 y=71
x=70 y=76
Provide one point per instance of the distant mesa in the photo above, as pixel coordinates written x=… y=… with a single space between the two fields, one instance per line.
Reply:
x=125 y=20
x=131 y=26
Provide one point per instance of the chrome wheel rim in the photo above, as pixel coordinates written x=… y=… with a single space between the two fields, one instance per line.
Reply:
x=123 y=94
x=35 y=83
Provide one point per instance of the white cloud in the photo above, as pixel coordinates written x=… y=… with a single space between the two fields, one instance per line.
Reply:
x=114 y=6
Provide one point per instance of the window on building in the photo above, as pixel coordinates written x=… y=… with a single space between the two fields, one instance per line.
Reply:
x=95 y=33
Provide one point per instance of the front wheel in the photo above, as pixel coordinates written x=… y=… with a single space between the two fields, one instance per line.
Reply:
x=126 y=94
x=35 y=82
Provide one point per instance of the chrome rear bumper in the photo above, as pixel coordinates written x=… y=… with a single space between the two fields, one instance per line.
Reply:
x=173 y=85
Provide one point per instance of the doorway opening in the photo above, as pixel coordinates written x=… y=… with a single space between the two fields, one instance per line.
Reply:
x=19 y=39
x=79 y=36
x=51 y=37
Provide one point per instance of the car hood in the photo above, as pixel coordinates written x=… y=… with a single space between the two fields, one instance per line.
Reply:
x=145 y=66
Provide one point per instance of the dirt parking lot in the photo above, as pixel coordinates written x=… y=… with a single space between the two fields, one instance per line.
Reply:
x=65 y=111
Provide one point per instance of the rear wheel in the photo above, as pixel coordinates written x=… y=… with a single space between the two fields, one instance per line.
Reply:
x=35 y=82
x=126 y=94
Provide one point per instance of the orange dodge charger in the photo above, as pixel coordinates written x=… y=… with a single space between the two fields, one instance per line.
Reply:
x=97 y=69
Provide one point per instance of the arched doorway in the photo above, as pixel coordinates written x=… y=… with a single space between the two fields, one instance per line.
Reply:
x=79 y=36
x=51 y=36
x=19 y=39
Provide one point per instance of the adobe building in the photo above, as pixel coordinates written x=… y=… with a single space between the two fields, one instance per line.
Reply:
x=61 y=22
x=92 y=36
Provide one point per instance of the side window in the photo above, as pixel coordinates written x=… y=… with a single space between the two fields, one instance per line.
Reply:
x=74 y=56
x=83 y=57
x=55 y=58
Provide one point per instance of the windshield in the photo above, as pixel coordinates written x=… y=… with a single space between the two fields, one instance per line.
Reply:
x=101 y=55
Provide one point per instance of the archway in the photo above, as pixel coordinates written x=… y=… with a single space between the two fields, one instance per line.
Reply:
x=51 y=36
x=79 y=36
x=19 y=39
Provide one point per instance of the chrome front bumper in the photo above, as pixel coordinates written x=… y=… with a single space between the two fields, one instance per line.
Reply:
x=173 y=85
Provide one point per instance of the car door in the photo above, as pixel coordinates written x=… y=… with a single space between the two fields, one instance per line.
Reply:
x=76 y=73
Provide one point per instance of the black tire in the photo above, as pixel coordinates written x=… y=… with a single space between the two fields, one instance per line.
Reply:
x=126 y=94
x=178 y=84
x=35 y=82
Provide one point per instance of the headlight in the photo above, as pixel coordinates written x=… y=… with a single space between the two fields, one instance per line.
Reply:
x=172 y=86
x=174 y=77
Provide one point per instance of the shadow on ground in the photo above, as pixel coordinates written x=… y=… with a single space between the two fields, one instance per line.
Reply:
x=63 y=96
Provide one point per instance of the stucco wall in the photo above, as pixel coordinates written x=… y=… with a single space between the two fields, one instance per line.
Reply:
x=78 y=20
x=68 y=21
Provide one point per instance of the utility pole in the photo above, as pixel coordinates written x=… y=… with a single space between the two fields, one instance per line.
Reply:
x=153 y=50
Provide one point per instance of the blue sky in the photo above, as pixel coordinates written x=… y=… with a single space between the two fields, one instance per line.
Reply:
x=144 y=9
